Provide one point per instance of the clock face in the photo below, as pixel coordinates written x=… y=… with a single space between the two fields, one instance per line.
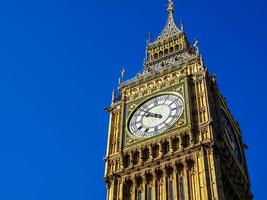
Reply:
x=156 y=115
x=228 y=130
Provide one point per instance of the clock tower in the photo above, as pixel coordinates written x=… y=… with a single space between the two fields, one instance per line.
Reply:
x=171 y=134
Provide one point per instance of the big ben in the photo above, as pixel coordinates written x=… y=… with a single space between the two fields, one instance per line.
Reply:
x=171 y=134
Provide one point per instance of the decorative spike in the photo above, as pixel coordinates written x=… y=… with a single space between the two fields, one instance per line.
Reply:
x=182 y=24
x=148 y=38
x=170 y=7
x=147 y=43
x=122 y=73
x=170 y=28
x=113 y=95
x=196 y=47
x=201 y=61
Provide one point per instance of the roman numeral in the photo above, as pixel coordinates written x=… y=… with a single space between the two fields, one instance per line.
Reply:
x=138 y=122
x=180 y=106
x=172 y=102
x=175 y=115
x=166 y=99
x=165 y=123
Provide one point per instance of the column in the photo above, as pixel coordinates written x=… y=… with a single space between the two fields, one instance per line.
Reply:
x=151 y=152
x=165 y=177
x=171 y=145
x=186 y=181
x=121 y=189
x=141 y=156
x=160 y=149
x=112 y=188
x=175 y=182
x=154 y=190
x=134 y=189
x=197 y=103
x=131 y=159
x=180 y=143
x=144 y=187
x=193 y=184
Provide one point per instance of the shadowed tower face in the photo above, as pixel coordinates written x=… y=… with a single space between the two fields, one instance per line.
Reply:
x=171 y=134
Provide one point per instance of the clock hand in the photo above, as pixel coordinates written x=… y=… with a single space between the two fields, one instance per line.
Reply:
x=150 y=114
x=157 y=115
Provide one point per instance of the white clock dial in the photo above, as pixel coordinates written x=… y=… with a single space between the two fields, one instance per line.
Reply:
x=156 y=115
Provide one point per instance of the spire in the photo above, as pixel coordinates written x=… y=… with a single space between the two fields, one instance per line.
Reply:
x=170 y=28
x=148 y=40
x=113 y=96
x=170 y=7
x=122 y=73
x=196 y=47
x=182 y=25
x=121 y=78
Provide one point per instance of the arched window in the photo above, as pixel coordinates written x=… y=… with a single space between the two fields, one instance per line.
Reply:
x=170 y=191
x=126 y=161
x=139 y=195
x=155 y=151
x=149 y=193
x=175 y=144
x=145 y=154
x=165 y=147
x=136 y=158
x=185 y=140
x=127 y=191
x=158 y=188
x=182 y=191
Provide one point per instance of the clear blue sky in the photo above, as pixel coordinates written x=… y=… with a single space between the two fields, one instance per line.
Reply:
x=60 y=59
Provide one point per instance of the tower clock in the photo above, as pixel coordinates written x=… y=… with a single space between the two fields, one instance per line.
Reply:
x=156 y=115
x=171 y=134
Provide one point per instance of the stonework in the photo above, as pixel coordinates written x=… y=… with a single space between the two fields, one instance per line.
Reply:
x=200 y=157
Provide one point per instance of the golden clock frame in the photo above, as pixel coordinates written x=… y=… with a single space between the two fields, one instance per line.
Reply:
x=180 y=89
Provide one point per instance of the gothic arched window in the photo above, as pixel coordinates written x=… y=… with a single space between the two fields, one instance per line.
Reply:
x=140 y=195
x=158 y=188
x=170 y=191
x=127 y=191
x=149 y=193
x=182 y=190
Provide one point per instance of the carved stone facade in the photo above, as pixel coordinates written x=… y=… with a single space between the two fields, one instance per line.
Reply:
x=200 y=157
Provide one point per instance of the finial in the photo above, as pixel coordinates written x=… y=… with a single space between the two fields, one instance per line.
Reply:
x=122 y=73
x=148 y=38
x=201 y=61
x=170 y=28
x=196 y=46
x=121 y=78
x=113 y=95
x=182 y=24
x=170 y=7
